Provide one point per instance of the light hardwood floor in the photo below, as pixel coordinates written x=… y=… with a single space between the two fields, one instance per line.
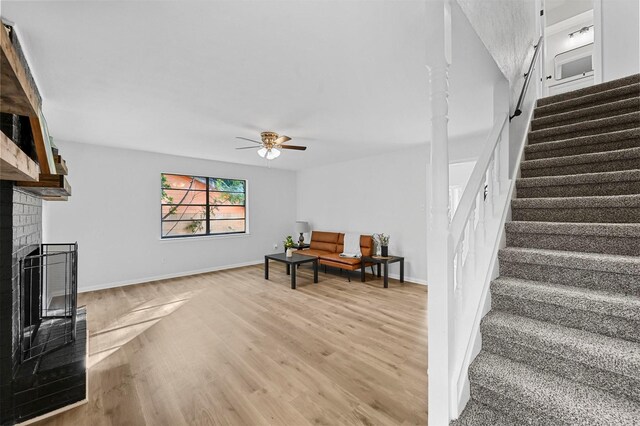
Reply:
x=229 y=348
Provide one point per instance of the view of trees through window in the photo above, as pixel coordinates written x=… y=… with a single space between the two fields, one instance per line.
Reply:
x=197 y=205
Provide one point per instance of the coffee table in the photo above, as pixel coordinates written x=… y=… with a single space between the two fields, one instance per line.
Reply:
x=379 y=260
x=294 y=260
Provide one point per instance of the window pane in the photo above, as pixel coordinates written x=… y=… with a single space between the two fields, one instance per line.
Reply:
x=226 y=185
x=183 y=212
x=183 y=182
x=224 y=212
x=226 y=198
x=226 y=226
x=187 y=227
x=184 y=205
x=180 y=196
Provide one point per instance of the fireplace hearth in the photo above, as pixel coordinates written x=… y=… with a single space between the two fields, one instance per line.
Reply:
x=43 y=342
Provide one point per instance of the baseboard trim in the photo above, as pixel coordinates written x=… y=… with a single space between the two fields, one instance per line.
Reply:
x=106 y=286
x=411 y=280
x=143 y=280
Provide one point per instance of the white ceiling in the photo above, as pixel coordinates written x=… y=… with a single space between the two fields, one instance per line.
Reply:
x=559 y=10
x=347 y=79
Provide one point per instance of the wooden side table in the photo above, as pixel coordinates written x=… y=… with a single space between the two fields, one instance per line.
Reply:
x=379 y=261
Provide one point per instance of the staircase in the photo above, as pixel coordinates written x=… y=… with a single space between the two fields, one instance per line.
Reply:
x=561 y=344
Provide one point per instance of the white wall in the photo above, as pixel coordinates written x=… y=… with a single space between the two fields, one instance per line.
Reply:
x=508 y=30
x=620 y=38
x=114 y=214
x=560 y=42
x=380 y=194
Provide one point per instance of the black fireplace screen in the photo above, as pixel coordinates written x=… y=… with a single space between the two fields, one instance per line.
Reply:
x=48 y=299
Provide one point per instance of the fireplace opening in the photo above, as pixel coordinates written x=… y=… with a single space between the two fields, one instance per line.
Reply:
x=48 y=299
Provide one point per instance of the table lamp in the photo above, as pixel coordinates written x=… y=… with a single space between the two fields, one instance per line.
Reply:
x=302 y=227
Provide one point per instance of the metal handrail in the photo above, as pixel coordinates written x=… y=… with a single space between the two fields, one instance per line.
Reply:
x=527 y=79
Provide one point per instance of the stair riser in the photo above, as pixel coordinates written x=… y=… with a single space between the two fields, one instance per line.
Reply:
x=595 y=280
x=629 y=93
x=584 y=190
x=633 y=79
x=583 y=149
x=515 y=409
x=579 y=243
x=476 y=414
x=550 y=121
x=563 y=366
x=569 y=317
x=556 y=136
x=586 y=215
x=575 y=169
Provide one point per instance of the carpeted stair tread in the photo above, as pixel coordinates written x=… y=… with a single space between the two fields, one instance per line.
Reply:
x=629 y=265
x=589 y=112
x=600 y=209
x=623 y=230
x=622 y=159
x=596 y=311
x=595 y=89
x=607 y=238
x=624 y=182
x=617 y=356
x=580 y=179
x=597 y=271
x=477 y=414
x=553 y=399
x=612 y=141
x=611 y=95
x=586 y=128
x=577 y=202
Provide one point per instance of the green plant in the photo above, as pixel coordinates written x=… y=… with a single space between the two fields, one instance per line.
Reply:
x=381 y=239
x=288 y=242
x=195 y=226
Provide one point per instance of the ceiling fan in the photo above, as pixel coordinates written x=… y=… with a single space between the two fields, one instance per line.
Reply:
x=271 y=145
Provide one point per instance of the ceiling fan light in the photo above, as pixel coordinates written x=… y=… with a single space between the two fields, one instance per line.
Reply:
x=273 y=153
x=262 y=152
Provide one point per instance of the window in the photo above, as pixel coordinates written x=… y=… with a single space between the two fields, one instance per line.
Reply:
x=197 y=205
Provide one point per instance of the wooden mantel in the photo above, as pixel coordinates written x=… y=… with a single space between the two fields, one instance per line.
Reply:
x=17 y=95
x=15 y=164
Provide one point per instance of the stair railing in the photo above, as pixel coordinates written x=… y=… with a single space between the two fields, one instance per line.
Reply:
x=486 y=184
x=462 y=245
x=475 y=231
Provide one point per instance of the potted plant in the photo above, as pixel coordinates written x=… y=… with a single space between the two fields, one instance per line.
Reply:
x=288 y=245
x=383 y=241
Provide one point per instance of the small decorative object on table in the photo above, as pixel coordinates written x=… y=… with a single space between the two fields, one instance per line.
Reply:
x=301 y=228
x=288 y=245
x=383 y=241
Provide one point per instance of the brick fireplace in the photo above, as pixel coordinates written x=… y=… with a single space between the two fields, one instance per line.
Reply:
x=42 y=384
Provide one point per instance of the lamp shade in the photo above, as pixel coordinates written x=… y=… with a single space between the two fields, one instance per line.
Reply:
x=302 y=227
x=273 y=153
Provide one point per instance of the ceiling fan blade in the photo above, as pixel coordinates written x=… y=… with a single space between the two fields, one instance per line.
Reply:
x=282 y=139
x=247 y=147
x=298 y=148
x=247 y=139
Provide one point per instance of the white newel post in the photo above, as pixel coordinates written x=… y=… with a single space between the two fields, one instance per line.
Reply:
x=442 y=402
